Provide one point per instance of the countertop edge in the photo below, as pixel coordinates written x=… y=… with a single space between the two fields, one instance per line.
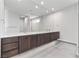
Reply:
x=23 y=34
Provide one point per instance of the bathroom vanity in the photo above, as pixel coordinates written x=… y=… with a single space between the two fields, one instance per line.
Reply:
x=15 y=44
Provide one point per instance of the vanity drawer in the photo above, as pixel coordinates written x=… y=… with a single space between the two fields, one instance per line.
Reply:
x=8 y=47
x=9 y=40
x=10 y=53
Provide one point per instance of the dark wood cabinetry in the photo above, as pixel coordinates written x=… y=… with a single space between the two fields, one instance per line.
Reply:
x=41 y=39
x=10 y=53
x=54 y=36
x=33 y=41
x=15 y=45
x=24 y=43
x=9 y=47
x=9 y=40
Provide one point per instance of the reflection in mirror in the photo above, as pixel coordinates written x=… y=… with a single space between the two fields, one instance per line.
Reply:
x=35 y=25
x=15 y=19
x=18 y=17
x=2 y=20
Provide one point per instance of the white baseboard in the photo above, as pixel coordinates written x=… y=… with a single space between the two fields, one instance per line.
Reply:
x=67 y=42
x=77 y=54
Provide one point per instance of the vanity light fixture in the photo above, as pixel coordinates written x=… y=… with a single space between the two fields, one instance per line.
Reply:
x=42 y=2
x=47 y=11
x=52 y=9
x=36 y=6
x=36 y=21
x=19 y=0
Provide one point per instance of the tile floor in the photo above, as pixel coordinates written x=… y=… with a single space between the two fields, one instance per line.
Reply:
x=56 y=49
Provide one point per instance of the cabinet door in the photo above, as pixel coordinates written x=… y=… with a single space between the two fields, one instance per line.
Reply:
x=10 y=53
x=46 y=38
x=55 y=36
x=24 y=43
x=41 y=39
x=33 y=41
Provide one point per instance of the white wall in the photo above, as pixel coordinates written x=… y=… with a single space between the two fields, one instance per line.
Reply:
x=69 y=31
x=64 y=21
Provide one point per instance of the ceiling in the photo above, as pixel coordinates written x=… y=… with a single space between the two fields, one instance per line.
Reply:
x=27 y=7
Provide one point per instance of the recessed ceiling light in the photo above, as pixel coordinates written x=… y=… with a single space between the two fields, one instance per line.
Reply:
x=52 y=9
x=36 y=6
x=42 y=3
x=19 y=0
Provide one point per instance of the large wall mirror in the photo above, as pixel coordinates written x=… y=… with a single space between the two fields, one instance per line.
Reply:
x=18 y=17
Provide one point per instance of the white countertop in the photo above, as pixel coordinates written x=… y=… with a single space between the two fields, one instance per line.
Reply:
x=20 y=34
